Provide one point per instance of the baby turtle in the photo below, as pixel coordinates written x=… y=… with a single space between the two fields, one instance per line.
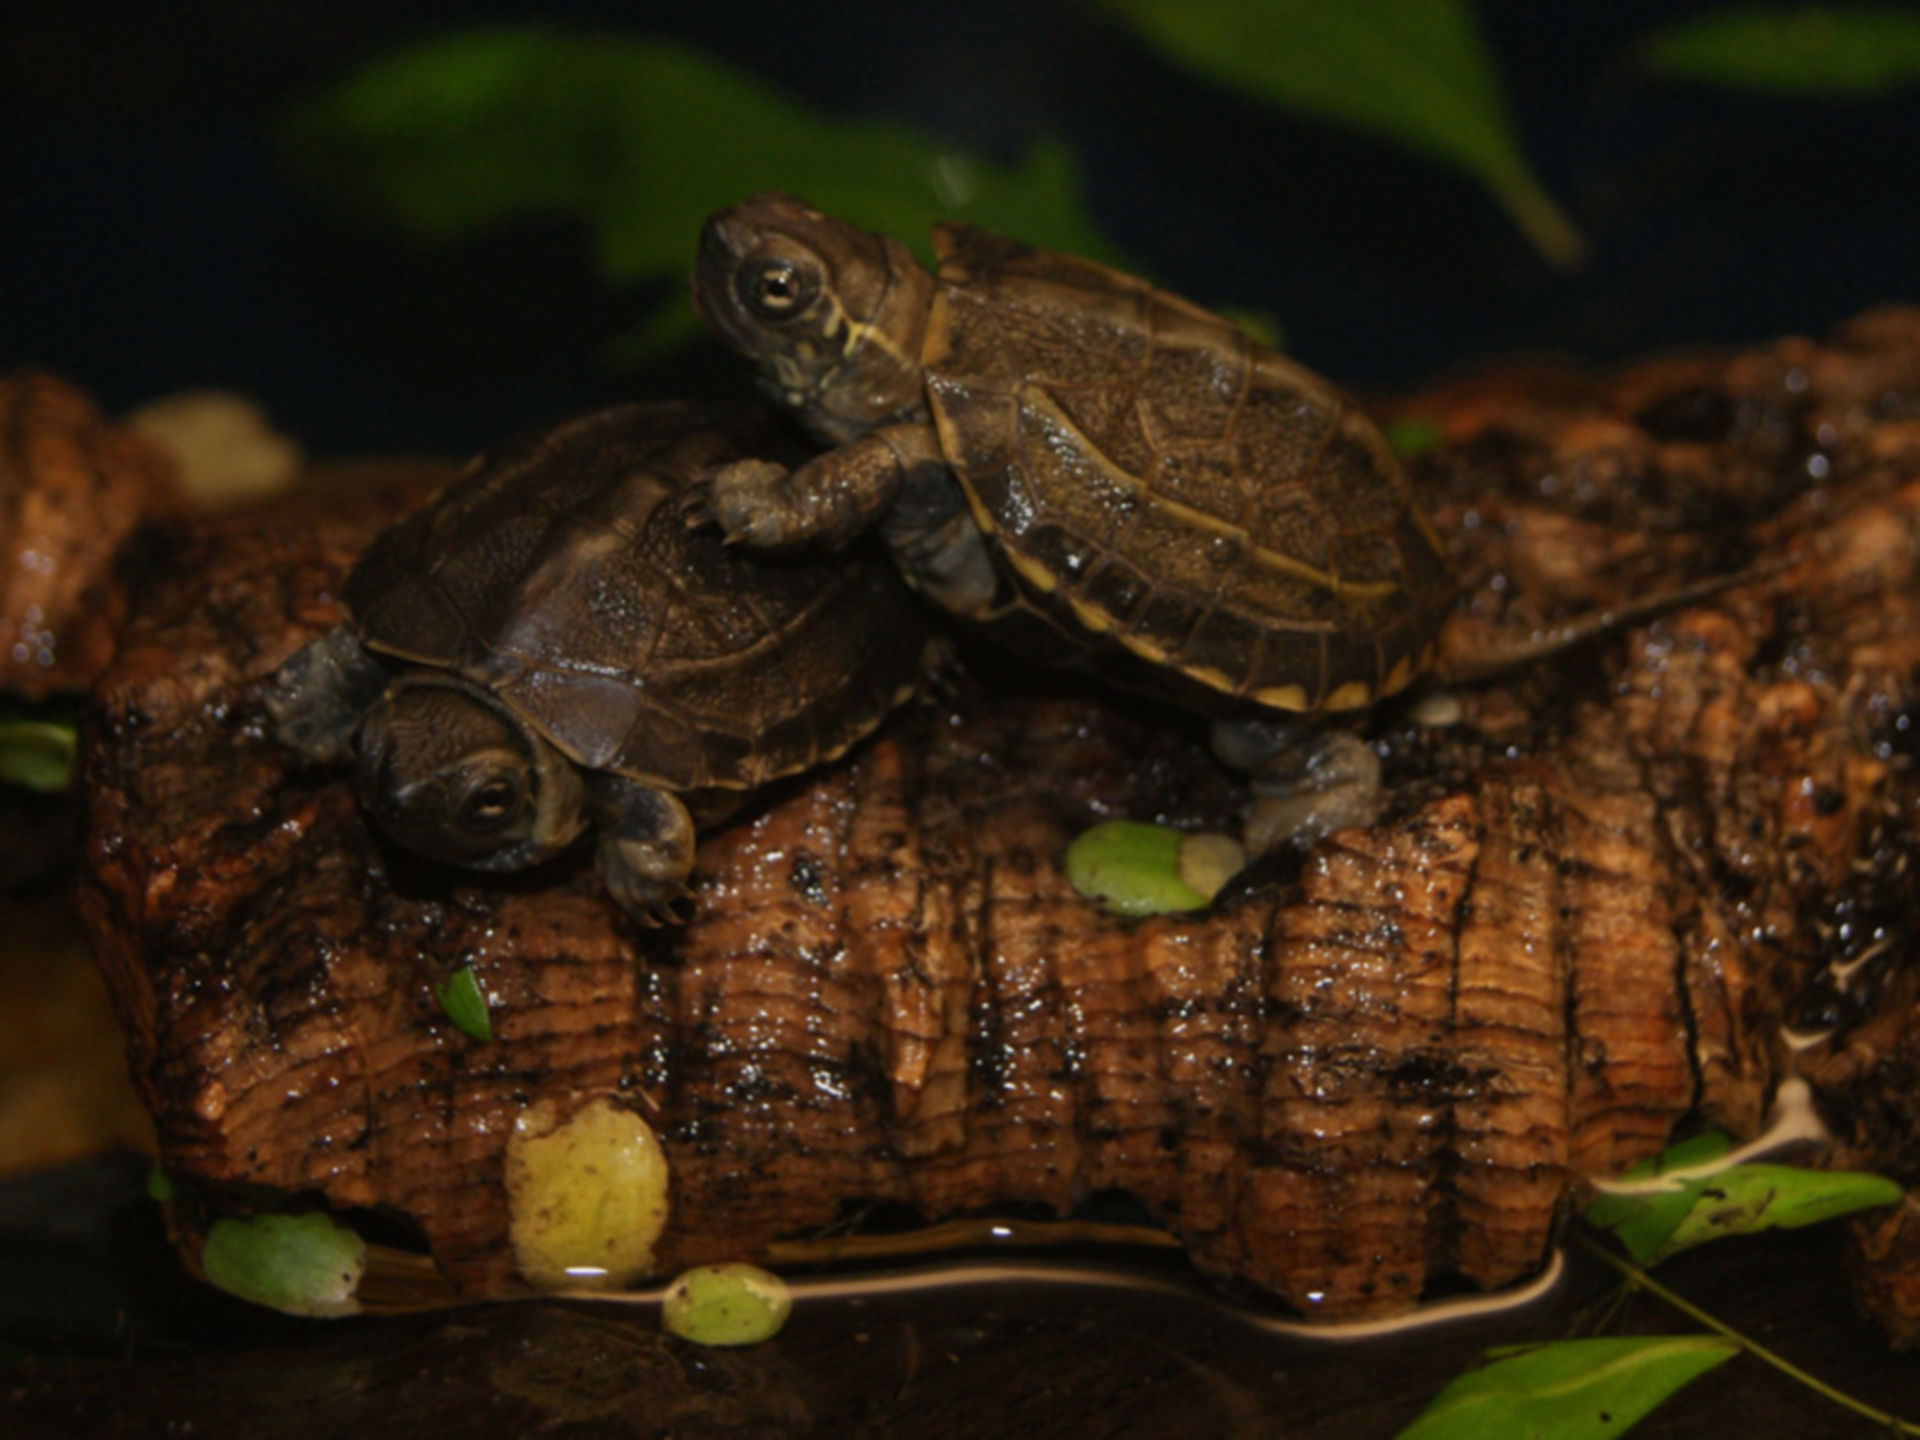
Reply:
x=1146 y=473
x=1039 y=435
x=546 y=643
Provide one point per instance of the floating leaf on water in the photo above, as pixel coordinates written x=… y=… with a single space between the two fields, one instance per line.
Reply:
x=302 y=1264
x=726 y=1305
x=640 y=139
x=1569 y=1389
x=37 y=754
x=1751 y=1198
x=1132 y=868
x=465 y=1003
x=1740 y=1200
x=1643 y=1220
x=1413 y=71
x=1835 y=50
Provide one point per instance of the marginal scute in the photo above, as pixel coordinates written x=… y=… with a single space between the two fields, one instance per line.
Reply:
x=1283 y=697
x=1350 y=696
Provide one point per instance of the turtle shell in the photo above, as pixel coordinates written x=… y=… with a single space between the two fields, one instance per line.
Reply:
x=561 y=575
x=1151 y=474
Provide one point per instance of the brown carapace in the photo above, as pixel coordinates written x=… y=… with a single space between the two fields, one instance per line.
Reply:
x=1144 y=474
x=547 y=645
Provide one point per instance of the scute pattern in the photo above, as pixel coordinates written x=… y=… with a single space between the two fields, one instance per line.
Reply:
x=1202 y=501
x=561 y=573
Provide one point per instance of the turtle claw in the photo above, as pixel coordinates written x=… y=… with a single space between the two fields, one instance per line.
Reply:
x=696 y=511
x=751 y=502
x=668 y=913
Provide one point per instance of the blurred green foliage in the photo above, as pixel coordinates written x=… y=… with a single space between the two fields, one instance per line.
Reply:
x=1832 y=51
x=1413 y=71
x=1568 y=1389
x=641 y=139
x=36 y=753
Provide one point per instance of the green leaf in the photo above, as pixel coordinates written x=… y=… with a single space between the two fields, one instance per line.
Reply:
x=640 y=140
x=1131 y=868
x=1412 y=71
x=1569 y=1389
x=302 y=1264
x=1740 y=1200
x=1751 y=1198
x=36 y=753
x=465 y=1003
x=726 y=1305
x=1643 y=1220
x=1839 y=50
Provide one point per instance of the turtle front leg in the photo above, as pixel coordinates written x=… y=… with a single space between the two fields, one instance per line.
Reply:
x=826 y=501
x=646 y=847
x=1306 y=784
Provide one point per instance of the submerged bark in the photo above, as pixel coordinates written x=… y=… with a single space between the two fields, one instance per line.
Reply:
x=1599 y=890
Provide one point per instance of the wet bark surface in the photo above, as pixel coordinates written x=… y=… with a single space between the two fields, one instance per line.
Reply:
x=1599 y=890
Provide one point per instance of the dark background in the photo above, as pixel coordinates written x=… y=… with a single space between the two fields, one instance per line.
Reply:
x=150 y=238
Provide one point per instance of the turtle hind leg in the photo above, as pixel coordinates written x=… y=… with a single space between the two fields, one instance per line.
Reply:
x=646 y=848
x=317 y=699
x=827 y=501
x=938 y=547
x=1306 y=783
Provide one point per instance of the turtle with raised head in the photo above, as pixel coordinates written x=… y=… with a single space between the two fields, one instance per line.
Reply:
x=1040 y=436
x=547 y=645
x=1037 y=432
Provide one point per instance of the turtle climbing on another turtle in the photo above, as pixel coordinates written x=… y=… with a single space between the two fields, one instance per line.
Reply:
x=545 y=644
x=1040 y=436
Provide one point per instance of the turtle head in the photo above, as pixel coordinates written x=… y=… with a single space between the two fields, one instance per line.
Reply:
x=832 y=315
x=449 y=772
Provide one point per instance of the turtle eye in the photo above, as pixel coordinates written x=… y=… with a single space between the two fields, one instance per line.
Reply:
x=776 y=289
x=490 y=805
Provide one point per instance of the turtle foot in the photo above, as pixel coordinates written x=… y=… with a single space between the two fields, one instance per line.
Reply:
x=661 y=914
x=753 y=504
x=1307 y=791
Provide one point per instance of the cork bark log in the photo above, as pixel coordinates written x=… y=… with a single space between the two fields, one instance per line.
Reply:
x=1599 y=890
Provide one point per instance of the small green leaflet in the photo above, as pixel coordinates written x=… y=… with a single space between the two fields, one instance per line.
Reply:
x=36 y=753
x=640 y=139
x=1132 y=868
x=1835 y=50
x=1569 y=1389
x=1652 y=1224
x=461 y=997
x=1413 y=71
x=301 y=1264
